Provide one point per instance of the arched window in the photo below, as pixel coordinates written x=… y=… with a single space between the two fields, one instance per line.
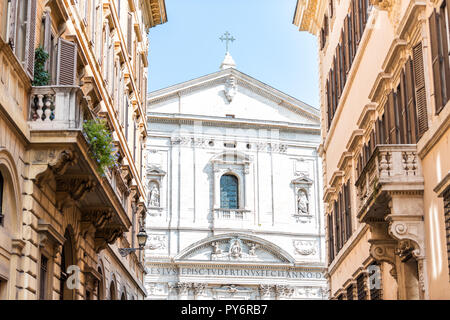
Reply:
x=229 y=192
x=100 y=294
x=112 y=291
x=1 y=199
x=66 y=260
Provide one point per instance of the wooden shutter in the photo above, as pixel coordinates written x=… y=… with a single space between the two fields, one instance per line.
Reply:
x=67 y=63
x=357 y=20
x=30 y=37
x=419 y=88
x=390 y=112
x=348 y=210
x=347 y=45
x=130 y=33
x=47 y=38
x=330 y=8
x=126 y=118
x=337 y=223
x=404 y=124
x=333 y=88
x=349 y=39
x=410 y=102
x=385 y=125
x=436 y=59
x=338 y=71
x=328 y=103
x=445 y=68
x=342 y=217
x=330 y=239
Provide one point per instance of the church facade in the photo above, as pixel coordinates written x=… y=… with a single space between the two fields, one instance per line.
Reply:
x=234 y=192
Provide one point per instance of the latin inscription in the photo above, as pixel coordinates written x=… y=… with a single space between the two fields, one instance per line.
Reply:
x=236 y=273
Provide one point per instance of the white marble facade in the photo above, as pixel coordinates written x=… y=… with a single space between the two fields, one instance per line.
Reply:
x=272 y=245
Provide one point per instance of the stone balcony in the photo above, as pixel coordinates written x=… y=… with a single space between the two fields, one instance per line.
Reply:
x=55 y=108
x=390 y=200
x=61 y=153
x=390 y=169
x=231 y=214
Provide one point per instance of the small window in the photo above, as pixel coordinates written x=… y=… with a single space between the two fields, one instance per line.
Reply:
x=229 y=192
x=229 y=145
x=230 y=116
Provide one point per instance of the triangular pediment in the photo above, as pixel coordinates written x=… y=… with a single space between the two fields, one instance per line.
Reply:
x=230 y=91
x=234 y=248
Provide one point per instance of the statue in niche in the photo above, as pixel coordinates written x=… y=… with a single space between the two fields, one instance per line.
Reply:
x=235 y=249
x=302 y=202
x=252 y=250
x=216 y=249
x=154 y=195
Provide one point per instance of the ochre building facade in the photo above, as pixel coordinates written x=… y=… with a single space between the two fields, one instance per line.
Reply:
x=61 y=221
x=384 y=89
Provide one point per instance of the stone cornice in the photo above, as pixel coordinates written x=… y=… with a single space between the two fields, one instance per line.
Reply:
x=243 y=80
x=230 y=122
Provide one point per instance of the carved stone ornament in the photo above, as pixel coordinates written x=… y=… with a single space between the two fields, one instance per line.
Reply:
x=156 y=242
x=230 y=88
x=265 y=290
x=305 y=247
x=236 y=251
x=199 y=288
x=284 y=291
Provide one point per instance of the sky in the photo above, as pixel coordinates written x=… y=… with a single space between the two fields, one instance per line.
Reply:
x=268 y=46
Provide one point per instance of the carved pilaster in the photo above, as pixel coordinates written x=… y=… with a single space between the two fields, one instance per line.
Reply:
x=384 y=251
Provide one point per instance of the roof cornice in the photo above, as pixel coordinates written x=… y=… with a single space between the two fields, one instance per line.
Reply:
x=232 y=122
x=243 y=80
x=306 y=14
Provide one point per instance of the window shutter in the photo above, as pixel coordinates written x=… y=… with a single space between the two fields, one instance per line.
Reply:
x=130 y=33
x=330 y=9
x=31 y=35
x=348 y=210
x=330 y=239
x=385 y=125
x=445 y=68
x=390 y=112
x=346 y=45
x=342 y=220
x=338 y=73
x=328 y=103
x=47 y=37
x=419 y=87
x=67 y=63
x=337 y=223
x=403 y=109
x=410 y=102
x=357 y=20
x=435 y=58
x=126 y=117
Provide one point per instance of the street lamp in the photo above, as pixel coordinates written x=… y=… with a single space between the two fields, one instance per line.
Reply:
x=142 y=239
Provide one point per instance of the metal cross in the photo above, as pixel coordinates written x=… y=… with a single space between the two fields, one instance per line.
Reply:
x=227 y=38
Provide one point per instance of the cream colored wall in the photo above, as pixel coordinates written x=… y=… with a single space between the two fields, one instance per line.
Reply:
x=374 y=48
x=436 y=165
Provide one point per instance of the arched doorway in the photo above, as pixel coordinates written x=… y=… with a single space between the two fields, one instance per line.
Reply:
x=123 y=297
x=67 y=292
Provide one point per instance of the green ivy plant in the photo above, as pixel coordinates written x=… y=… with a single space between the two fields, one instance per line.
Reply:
x=41 y=76
x=101 y=144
